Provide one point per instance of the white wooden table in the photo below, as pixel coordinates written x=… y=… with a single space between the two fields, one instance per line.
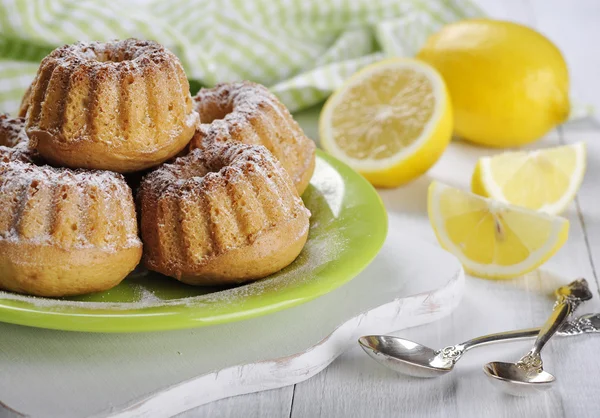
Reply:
x=355 y=386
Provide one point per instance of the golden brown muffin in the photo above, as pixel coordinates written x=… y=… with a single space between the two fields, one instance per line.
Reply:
x=64 y=232
x=247 y=112
x=222 y=215
x=122 y=106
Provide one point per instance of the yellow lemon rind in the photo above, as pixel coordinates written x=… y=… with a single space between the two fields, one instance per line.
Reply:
x=509 y=84
x=483 y=184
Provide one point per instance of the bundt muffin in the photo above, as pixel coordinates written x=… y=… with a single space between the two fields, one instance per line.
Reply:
x=122 y=106
x=64 y=232
x=247 y=112
x=226 y=214
x=14 y=144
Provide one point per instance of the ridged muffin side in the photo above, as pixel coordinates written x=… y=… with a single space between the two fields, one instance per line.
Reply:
x=65 y=232
x=122 y=106
x=222 y=215
x=249 y=113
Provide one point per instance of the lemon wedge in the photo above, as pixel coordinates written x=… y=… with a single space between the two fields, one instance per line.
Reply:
x=546 y=180
x=391 y=121
x=493 y=239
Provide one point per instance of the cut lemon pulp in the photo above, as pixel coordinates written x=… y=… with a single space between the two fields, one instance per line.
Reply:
x=390 y=121
x=545 y=180
x=490 y=238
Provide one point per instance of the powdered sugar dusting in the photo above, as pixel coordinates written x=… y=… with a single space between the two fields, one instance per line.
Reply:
x=250 y=113
x=132 y=54
x=14 y=143
x=88 y=186
x=213 y=176
x=123 y=106
x=327 y=242
x=315 y=257
x=12 y=131
x=235 y=104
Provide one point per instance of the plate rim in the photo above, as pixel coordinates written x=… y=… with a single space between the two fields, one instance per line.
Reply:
x=181 y=316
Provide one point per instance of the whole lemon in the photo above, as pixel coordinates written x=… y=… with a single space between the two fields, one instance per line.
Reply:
x=509 y=84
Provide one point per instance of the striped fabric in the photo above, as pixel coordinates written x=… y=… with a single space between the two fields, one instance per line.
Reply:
x=301 y=49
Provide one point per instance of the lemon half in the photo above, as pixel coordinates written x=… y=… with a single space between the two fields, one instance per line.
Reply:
x=390 y=121
x=492 y=239
x=545 y=180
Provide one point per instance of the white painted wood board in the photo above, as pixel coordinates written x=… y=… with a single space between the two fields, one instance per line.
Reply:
x=48 y=373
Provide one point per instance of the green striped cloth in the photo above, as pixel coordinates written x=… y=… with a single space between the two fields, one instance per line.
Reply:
x=301 y=49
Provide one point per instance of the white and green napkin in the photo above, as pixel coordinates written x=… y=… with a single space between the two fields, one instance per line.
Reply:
x=300 y=49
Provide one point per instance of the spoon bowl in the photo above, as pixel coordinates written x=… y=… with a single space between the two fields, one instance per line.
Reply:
x=517 y=380
x=405 y=356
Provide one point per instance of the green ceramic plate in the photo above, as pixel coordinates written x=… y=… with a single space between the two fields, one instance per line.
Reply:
x=348 y=227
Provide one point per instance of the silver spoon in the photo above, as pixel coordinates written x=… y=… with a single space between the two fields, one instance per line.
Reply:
x=527 y=376
x=410 y=358
x=413 y=359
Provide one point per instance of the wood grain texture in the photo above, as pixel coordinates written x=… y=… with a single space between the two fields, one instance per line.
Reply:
x=269 y=403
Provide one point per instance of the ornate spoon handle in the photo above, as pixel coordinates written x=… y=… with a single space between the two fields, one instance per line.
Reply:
x=569 y=298
x=585 y=324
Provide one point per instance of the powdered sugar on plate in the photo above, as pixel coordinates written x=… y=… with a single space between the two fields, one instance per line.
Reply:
x=327 y=241
x=316 y=255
